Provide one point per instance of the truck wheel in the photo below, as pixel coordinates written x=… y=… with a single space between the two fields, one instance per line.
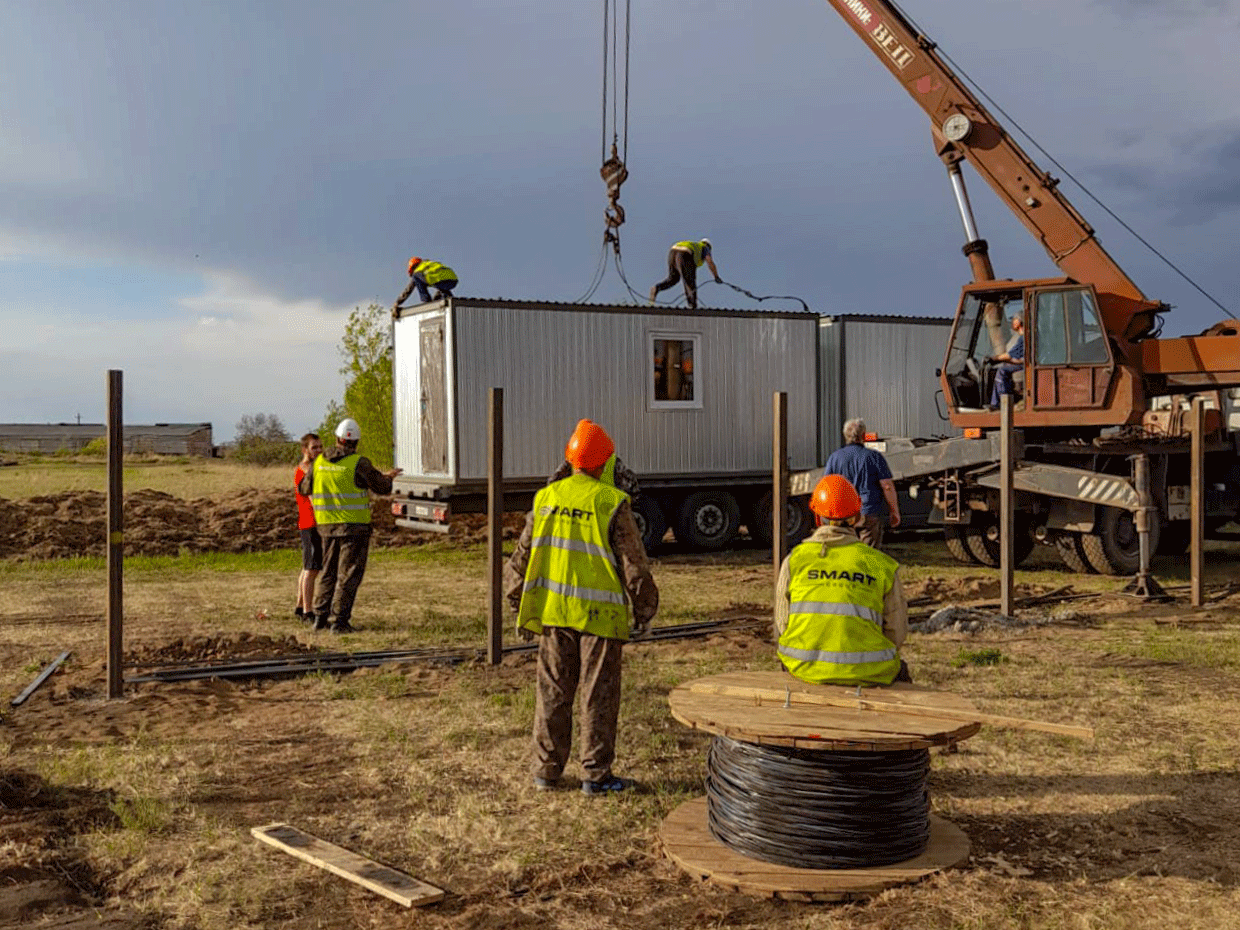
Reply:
x=798 y=521
x=983 y=542
x=1115 y=547
x=651 y=522
x=953 y=536
x=708 y=520
x=1072 y=554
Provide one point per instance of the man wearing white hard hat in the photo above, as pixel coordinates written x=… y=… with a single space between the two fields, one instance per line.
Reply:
x=338 y=484
x=683 y=261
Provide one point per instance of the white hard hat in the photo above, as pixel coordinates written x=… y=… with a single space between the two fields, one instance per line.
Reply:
x=705 y=241
x=348 y=430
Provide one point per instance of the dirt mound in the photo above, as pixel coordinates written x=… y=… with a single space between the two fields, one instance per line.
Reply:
x=204 y=649
x=74 y=523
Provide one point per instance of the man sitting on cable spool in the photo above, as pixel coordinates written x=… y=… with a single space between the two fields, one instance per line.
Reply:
x=840 y=611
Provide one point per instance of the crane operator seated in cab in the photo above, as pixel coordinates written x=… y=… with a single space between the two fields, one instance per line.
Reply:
x=840 y=611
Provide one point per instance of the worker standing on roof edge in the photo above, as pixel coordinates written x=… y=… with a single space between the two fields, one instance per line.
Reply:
x=683 y=261
x=868 y=472
x=425 y=274
x=339 y=483
x=840 y=611
x=579 y=555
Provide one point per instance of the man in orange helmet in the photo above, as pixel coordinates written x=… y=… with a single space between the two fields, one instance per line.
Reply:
x=577 y=568
x=840 y=611
x=425 y=274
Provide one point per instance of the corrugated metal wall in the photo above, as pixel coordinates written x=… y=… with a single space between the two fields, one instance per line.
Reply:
x=882 y=370
x=558 y=365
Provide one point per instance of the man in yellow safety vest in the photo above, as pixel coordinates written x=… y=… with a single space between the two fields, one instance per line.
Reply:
x=425 y=274
x=683 y=261
x=576 y=570
x=338 y=484
x=840 y=611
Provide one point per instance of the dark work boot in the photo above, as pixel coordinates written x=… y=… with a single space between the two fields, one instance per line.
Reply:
x=320 y=624
x=343 y=626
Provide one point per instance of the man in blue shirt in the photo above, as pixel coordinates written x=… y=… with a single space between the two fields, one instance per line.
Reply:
x=1008 y=362
x=869 y=473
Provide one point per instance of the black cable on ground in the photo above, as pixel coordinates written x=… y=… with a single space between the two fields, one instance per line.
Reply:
x=816 y=809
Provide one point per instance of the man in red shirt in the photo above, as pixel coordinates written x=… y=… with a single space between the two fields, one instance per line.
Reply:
x=311 y=542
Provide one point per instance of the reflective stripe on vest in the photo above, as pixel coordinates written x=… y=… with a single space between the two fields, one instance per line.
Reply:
x=697 y=248
x=335 y=497
x=572 y=579
x=434 y=272
x=835 y=621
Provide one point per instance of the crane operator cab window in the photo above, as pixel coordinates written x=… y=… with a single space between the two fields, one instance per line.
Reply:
x=982 y=331
x=1072 y=365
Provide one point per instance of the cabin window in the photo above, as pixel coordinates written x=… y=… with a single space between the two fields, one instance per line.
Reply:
x=1068 y=330
x=676 y=361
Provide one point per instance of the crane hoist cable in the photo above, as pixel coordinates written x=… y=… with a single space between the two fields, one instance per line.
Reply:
x=614 y=171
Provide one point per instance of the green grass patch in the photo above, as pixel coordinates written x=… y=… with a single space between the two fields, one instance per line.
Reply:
x=978 y=657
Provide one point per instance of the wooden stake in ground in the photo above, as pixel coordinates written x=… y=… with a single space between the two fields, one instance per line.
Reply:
x=400 y=887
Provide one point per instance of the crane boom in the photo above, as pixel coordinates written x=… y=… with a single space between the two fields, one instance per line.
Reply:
x=963 y=128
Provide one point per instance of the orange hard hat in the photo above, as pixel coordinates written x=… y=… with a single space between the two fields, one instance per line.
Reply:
x=589 y=446
x=835 y=498
x=413 y=263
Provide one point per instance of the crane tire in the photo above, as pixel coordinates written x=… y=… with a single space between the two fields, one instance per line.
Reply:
x=953 y=538
x=1114 y=548
x=986 y=550
x=1072 y=555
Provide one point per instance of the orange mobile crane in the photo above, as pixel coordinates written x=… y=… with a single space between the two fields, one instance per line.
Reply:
x=1101 y=397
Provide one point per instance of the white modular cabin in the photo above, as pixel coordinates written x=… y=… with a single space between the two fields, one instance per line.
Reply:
x=685 y=394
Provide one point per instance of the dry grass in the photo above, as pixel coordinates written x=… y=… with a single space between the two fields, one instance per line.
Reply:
x=182 y=476
x=424 y=767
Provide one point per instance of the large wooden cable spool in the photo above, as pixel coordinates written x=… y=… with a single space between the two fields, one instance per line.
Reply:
x=772 y=718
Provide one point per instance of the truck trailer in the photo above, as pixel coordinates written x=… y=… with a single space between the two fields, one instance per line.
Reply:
x=685 y=394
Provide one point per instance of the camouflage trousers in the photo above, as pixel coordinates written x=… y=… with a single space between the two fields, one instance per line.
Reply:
x=568 y=660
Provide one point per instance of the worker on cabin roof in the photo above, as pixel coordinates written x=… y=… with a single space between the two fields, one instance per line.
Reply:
x=840 y=611
x=425 y=274
x=683 y=261
x=868 y=472
x=577 y=567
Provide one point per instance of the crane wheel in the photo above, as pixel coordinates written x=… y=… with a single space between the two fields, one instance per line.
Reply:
x=1114 y=548
x=983 y=542
x=953 y=537
x=1072 y=554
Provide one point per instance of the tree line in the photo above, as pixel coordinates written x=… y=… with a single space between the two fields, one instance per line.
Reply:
x=366 y=354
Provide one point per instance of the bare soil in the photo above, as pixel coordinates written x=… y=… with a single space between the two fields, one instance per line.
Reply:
x=74 y=523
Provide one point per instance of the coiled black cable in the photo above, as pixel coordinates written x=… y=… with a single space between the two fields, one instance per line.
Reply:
x=815 y=809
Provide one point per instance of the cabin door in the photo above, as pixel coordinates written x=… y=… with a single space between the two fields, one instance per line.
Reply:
x=434 y=399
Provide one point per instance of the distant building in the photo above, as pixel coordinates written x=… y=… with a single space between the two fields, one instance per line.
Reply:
x=159 y=438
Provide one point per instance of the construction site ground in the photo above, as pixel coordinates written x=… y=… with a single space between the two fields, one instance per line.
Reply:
x=135 y=813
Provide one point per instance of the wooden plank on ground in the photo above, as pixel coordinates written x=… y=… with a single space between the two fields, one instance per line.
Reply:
x=399 y=886
x=43 y=676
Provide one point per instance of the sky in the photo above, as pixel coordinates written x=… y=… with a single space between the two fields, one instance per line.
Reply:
x=198 y=194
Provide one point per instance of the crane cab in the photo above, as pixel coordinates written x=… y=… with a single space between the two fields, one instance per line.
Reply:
x=1068 y=374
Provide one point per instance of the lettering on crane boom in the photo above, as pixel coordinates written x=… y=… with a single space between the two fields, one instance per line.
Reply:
x=883 y=37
